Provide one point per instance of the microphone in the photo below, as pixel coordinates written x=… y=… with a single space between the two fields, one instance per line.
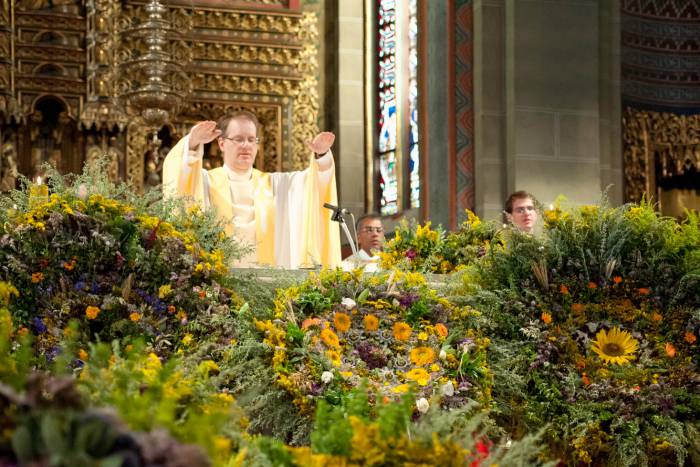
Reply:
x=336 y=208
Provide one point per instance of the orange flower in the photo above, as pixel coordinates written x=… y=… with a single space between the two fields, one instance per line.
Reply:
x=68 y=265
x=182 y=316
x=341 y=321
x=643 y=291
x=670 y=350
x=371 y=323
x=580 y=363
x=592 y=285
x=617 y=279
x=37 y=277
x=402 y=331
x=690 y=337
x=135 y=317
x=422 y=356
x=546 y=318
x=329 y=338
x=91 y=312
x=83 y=355
x=585 y=379
x=441 y=329
x=577 y=307
x=308 y=322
x=202 y=294
x=656 y=317
x=564 y=289
x=171 y=309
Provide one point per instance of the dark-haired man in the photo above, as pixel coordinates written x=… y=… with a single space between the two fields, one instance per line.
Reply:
x=370 y=239
x=521 y=211
x=280 y=214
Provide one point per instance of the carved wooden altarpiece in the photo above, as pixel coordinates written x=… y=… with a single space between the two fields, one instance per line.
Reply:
x=60 y=74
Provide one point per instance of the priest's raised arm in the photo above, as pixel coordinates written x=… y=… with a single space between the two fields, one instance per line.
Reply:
x=280 y=214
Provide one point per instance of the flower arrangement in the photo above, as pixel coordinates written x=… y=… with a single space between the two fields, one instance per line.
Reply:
x=115 y=267
x=595 y=326
x=339 y=329
x=420 y=248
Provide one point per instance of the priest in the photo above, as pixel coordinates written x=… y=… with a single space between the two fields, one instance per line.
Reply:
x=280 y=215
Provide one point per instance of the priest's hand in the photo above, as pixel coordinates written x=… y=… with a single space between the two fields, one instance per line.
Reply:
x=203 y=133
x=322 y=143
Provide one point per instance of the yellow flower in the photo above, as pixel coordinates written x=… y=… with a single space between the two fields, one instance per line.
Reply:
x=422 y=356
x=402 y=331
x=187 y=339
x=334 y=357
x=346 y=374
x=419 y=375
x=91 y=312
x=371 y=323
x=135 y=317
x=615 y=346
x=341 y=321
x=329 y=338
x=400 y=389
x=422 y=336
x=164 y=291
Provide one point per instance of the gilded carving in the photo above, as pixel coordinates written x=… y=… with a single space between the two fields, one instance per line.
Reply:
x=653 y=138
x=136 y=147
x=245 y=21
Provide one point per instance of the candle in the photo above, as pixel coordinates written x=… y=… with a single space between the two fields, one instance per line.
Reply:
x=38 y=194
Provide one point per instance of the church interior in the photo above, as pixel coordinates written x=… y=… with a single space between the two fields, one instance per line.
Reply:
x=474 y=344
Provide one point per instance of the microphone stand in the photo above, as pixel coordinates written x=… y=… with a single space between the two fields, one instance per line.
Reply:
x=337 y=216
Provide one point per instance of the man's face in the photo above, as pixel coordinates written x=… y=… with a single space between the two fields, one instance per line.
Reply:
x=239 y=144
x=370 y=236
x=524 y=215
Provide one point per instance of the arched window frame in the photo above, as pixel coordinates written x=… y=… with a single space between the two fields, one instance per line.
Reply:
x=406 y=151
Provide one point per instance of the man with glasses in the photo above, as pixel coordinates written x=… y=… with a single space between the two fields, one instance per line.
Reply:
x=370 y=239
x=280 y=215
x=521 y=211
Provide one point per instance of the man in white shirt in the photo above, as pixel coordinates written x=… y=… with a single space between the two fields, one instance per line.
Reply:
x=370 y=240
x=280 y=215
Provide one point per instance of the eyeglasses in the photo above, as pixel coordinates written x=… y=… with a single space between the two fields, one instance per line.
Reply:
x=240 y=141
x=522 y=209
x=373 y=229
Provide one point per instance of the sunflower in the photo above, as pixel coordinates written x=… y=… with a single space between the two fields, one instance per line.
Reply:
x=329 y=338
x=402 y=331
x=371 y=323
x=615 y=346
x=341 y=321
x=334 y=357
x=422 y=356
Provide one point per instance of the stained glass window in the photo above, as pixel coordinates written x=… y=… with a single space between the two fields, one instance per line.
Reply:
x=414 y=155
x=386 y=49
x=397 y=105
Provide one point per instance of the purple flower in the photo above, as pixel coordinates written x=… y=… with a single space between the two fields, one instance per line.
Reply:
x=371 y=355
x=38 y=325
x=408 y=300
x=410 y=253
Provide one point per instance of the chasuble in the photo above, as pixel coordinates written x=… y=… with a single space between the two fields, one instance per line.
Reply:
x=280 y=214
